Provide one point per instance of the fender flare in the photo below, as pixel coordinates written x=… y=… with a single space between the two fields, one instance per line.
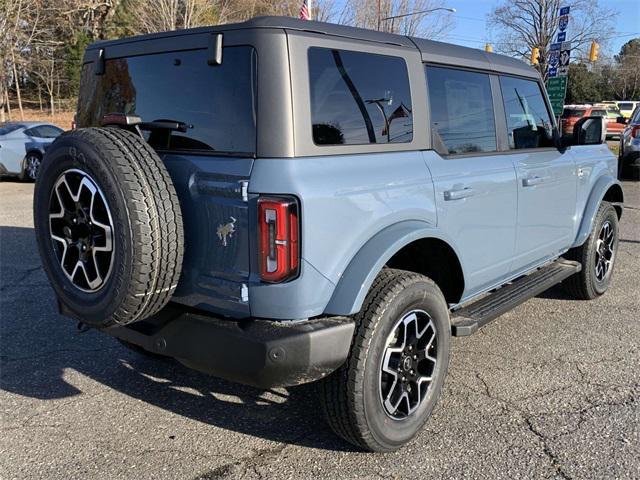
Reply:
x=351 y=290
x=598 y=192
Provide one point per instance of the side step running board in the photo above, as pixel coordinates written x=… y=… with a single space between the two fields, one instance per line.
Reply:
x=470 y=318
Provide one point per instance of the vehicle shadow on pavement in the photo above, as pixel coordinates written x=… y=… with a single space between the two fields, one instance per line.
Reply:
x=38 y=347
x=556 y=292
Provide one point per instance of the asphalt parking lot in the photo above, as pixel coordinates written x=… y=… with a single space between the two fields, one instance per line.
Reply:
x=549 y=390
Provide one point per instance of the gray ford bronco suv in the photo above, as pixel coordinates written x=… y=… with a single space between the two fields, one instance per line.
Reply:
x=280 y=201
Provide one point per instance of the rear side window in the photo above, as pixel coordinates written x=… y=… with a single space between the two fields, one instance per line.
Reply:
x=462 y=117
x=359 y=98
x=611 y=113
x=625 y=106
x=44 y=131
x=217 y=103
x=529 y=124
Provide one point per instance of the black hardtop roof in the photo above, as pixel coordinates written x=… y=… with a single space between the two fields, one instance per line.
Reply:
x=432 y=51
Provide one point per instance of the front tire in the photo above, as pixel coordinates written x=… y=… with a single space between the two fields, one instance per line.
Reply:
x=597 y=256
x=384 y=393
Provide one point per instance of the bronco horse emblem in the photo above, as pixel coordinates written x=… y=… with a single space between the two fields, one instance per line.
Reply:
x=226 y=231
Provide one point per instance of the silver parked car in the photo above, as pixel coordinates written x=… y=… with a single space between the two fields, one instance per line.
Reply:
x=629 y=153
x=22 y=146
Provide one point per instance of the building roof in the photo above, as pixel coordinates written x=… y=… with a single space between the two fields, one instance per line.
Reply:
x=432 y=51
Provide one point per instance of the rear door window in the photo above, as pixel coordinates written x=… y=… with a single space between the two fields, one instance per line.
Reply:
x=462 y=117
x=216 y=103
x=529 y=123
x=359 y=98
x=44 y=131
x=625 y=106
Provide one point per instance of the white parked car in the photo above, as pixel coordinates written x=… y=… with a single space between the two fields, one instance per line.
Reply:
x=22 y=146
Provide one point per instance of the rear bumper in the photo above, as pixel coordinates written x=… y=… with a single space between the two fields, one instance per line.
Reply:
x=261 y=353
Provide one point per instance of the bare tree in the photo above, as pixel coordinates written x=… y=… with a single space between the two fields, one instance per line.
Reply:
x=90 y=16
x=371 y=14
x=163 y=15
x=19 y=20
x=524 y=24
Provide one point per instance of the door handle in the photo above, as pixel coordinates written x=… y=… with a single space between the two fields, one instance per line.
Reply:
x=532 y=181
x=458 y=194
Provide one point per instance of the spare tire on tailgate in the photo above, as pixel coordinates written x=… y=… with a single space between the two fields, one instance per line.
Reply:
x=108 y=226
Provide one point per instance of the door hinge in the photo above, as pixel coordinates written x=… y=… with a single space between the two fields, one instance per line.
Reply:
x=244 y=190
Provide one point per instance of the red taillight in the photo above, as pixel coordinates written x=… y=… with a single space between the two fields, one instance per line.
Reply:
x=279 y=240
x=635 y=131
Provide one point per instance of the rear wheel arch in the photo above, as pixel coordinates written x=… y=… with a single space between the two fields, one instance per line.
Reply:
x=436 y=259
x=408 y=245
x=35 y=152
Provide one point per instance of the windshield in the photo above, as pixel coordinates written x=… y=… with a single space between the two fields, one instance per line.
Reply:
x=8 y=128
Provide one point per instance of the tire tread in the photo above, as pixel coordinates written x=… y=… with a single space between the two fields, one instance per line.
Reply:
x=341 y=391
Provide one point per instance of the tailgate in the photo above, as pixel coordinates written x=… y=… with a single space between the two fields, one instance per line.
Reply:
x=216 y=265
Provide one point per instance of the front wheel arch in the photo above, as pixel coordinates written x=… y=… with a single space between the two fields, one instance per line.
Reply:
x=607 y=189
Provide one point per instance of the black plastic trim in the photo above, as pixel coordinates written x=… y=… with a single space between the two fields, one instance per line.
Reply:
x=470 y=318
x=256 y=352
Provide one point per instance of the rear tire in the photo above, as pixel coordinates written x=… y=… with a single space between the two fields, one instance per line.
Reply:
x=597 y=256
x=359 y=399
x=30 y=167
x=108 y=226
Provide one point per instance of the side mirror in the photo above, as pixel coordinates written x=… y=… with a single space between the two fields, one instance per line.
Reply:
x=590 y=131
x=622 y=120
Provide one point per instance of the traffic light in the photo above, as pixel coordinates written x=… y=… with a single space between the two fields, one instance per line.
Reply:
x=488 y=48
x=535 y=56
x=593 y=53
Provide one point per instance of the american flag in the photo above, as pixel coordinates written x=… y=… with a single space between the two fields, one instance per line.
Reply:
x=304 y=10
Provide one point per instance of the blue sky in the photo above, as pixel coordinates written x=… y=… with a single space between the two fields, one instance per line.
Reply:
x=471 y=27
